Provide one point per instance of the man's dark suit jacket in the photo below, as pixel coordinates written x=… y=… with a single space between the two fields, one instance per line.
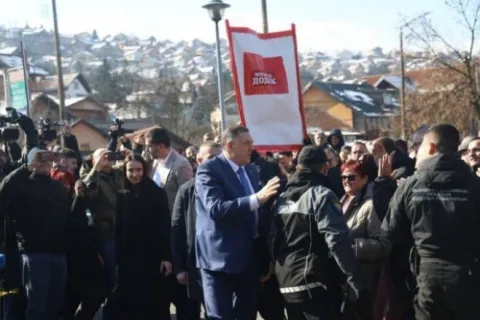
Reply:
x=224 y=234
x=184 y=217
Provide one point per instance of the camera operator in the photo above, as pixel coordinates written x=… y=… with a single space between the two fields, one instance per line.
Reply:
x=47 y=132
x=11 y=134
x=39 y=207
x=10 y=160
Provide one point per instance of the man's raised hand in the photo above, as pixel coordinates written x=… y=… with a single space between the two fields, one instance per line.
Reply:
x=269 y=190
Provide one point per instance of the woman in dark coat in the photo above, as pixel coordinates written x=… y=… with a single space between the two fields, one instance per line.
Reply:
x=143 y=246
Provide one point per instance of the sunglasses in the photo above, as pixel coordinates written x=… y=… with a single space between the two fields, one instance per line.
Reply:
x=349 y=178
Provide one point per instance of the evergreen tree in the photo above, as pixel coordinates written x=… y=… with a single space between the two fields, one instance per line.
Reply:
x=105 y=84
x=95 y=35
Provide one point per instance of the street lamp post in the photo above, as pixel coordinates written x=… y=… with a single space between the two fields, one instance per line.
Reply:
x=264 y=16
x=216 y=10
x=402 y=66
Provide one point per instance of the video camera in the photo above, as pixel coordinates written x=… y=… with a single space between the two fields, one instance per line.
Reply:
x=9 y=133
x=119 y=130
x=48 y=133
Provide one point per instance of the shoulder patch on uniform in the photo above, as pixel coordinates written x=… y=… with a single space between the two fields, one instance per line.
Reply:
x=336 y=206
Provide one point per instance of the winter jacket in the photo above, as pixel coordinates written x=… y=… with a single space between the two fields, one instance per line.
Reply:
x=308 y=227
x=39 y=208
x=438 y=206
x=370 y=246
x=101 y=197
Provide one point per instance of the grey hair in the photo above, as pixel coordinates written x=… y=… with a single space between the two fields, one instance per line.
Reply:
x=232 y=133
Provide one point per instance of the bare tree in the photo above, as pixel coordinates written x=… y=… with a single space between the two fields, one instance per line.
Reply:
x=462 y=62
x=162 y=100
x=442 y=97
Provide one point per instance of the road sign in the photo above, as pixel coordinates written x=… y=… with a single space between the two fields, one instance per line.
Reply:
x=18 y=89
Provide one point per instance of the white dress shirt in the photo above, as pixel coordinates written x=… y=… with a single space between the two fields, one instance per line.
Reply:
x=159 y=168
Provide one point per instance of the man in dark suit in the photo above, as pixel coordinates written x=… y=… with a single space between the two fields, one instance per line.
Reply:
x=184 y=218
x=228 y=235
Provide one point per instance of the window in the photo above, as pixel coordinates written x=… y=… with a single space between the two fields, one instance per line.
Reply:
x=368 y=124
x=76 y=86
x=85 y=146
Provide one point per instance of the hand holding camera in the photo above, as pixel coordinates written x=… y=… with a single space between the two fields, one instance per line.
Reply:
x=80 y=188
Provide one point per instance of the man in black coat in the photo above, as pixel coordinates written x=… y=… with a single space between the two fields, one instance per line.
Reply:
x=183 y=229
x=438 y=209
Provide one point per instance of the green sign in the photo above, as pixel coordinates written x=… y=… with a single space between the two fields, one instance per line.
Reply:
x=18 y=90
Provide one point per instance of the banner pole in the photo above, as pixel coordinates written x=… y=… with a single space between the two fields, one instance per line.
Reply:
x=299 y=82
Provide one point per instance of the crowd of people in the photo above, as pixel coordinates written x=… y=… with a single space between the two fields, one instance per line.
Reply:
x=375 y=230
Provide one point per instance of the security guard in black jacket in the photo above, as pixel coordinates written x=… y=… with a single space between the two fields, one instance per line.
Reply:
x=308 y=228
x=439 y=207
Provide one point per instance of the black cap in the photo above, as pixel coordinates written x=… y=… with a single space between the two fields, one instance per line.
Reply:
x=312 y=155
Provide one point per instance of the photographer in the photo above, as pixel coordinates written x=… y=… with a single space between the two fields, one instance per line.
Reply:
x=39 y=208
x=117 y=133
x=102 y=183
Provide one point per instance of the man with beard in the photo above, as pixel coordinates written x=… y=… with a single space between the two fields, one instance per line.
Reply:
x=308 y=228
x=170 y=171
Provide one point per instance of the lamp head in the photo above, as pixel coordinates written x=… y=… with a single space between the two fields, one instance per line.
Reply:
x=216 y=9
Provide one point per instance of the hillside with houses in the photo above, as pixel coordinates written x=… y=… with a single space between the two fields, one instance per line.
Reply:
x=86 y=51
x=160 y=82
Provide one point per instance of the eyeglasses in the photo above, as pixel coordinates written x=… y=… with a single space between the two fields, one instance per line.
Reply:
x=474 y=150
x=350 y=178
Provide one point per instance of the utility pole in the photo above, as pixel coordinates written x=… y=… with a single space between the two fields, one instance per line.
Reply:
x=402 y=66
x=61 y=87
x=402 y=92
x=264 y=16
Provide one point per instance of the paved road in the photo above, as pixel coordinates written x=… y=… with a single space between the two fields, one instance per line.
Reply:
x=172 y=311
